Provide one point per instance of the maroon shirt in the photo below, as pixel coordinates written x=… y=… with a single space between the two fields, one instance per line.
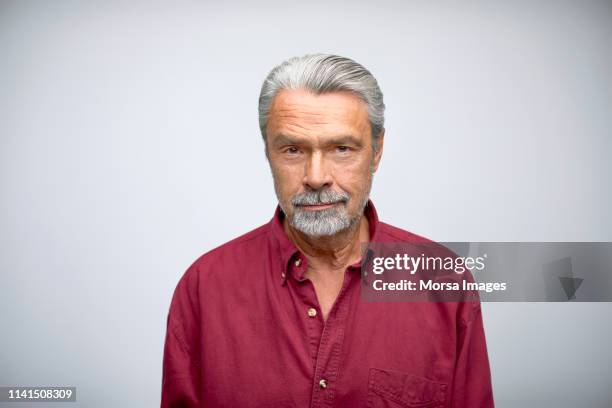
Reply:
x=245 y=330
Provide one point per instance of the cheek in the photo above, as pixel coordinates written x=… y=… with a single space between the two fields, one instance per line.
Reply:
x=353 y=176
x=287 y=180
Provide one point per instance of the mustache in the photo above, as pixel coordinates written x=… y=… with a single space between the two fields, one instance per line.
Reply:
x=320 y=197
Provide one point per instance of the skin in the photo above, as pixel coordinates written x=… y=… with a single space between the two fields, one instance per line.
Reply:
x=323 y=141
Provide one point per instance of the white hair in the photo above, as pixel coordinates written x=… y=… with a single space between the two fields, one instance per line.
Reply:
x=324 y=73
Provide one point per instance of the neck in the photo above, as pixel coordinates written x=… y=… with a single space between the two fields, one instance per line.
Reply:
x=334 y=251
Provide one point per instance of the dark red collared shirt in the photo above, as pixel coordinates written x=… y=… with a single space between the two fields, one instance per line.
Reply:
x=245 y=330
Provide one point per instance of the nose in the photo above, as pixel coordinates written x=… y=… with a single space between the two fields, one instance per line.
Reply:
x=317 y=173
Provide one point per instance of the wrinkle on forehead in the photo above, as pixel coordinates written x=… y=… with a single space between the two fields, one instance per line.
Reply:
x=306 y=113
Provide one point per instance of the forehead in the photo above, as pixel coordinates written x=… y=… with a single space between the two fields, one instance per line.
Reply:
x=304 y=113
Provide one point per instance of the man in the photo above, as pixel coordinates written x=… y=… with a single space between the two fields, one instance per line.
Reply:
x=274 y=318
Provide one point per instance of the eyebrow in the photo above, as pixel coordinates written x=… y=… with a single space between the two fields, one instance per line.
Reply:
x=282 y=140
x=346 y=140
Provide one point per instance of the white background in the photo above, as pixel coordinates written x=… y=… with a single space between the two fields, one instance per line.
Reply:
x=129 y=146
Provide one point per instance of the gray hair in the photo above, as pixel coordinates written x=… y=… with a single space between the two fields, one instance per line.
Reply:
x=324 y=73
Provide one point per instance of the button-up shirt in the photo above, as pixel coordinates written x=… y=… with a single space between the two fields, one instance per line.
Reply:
x=245 y=329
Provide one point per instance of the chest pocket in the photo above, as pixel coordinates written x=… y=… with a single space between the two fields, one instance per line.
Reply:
x=393 y=389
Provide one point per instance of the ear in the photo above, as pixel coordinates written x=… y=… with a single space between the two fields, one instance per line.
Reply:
x=266 y=150
x=379 y=150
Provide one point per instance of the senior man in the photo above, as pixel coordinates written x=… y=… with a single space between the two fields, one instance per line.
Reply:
x=274 y=318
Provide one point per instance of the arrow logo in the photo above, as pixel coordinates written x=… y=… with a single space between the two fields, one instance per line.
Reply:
x=570 y=286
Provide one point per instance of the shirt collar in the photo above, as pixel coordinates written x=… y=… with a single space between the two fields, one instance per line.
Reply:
x=292 y=260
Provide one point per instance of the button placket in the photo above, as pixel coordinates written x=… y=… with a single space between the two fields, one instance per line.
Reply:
x=309 y=313
x=327 y=363
x=298 y=267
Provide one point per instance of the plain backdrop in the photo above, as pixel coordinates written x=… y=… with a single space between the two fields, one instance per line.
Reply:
x=129 y=146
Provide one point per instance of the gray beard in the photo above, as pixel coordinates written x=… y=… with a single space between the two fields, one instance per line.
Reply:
x=323 y=222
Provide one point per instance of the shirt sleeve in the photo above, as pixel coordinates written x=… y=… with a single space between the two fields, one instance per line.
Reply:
x=472 y=380
x=181 y=368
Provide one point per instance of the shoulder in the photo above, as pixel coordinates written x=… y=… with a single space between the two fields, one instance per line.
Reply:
x=234 y=253
x=397 y=240
x=389 y=233
x=213 y=273
x=398 y=237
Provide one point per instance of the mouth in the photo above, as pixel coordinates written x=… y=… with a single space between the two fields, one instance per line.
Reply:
x=318 y=207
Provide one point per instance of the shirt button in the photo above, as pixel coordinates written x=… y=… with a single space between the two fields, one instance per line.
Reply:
x=312 y=312
x=323 y=383
x=283 y=275
x=298 y=262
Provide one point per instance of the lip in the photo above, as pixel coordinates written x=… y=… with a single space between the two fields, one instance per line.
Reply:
x=318 y=207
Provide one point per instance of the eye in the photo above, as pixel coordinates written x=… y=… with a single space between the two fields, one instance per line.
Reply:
x=342 y=149
x=292 y=150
